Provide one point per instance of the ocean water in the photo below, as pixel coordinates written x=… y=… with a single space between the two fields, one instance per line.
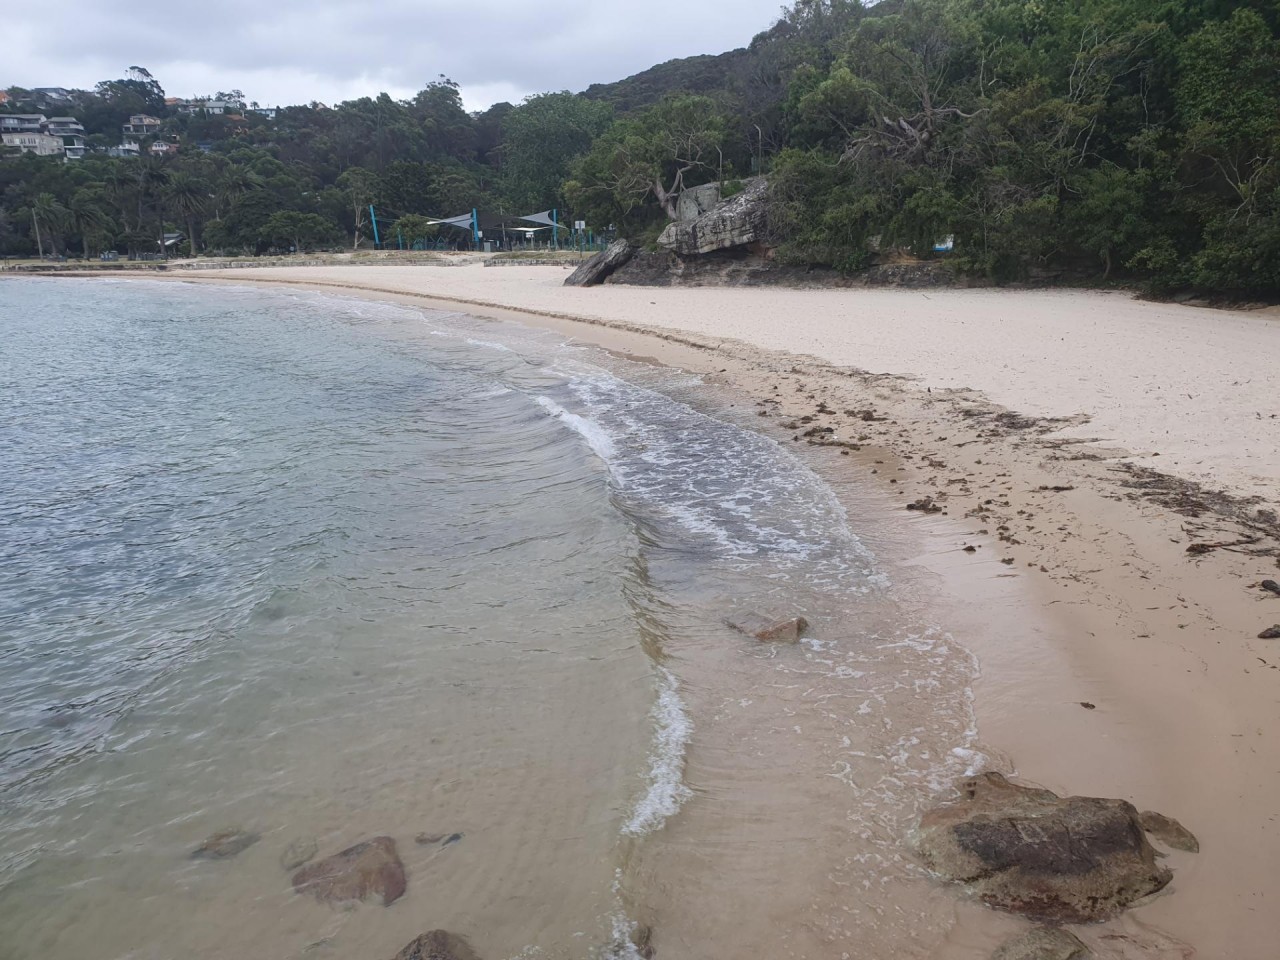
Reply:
x=322 y=569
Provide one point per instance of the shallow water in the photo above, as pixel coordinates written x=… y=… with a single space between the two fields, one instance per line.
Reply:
x=319 y=568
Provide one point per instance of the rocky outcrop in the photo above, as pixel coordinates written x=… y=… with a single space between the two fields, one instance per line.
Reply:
x=735 y=222
x=225 y=844
x=764 y=628
x=696 y=201
x=437 y=945
x=1067 y=860
x=599 y=267
x=368 y=868
x=1043 y=943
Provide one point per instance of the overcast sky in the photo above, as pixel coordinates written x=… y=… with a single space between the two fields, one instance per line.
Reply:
x=282 y=52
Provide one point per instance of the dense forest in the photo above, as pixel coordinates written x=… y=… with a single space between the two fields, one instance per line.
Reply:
x=1096 y=140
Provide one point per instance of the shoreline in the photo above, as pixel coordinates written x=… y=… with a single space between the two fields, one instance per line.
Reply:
x=1079 y=589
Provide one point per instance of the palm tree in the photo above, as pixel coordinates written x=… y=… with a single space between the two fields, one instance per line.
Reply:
x=89 y=219
x=234 y=183
x=151 y=176
x=46 y=211
x=187 y=198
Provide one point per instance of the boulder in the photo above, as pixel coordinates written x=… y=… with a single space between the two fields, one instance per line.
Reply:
x=596 y=269
x=769 y=629
x=226 y=843
x=1043 y=943
x=437 y=945
x=1029 y=851
x=1169 y=831
x=696 y=201
x=355 y=874
x=735 y=222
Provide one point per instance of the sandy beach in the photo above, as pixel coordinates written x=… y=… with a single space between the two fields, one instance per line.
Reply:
x=1077 y=444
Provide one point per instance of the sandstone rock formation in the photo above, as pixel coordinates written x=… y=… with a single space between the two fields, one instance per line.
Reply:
x=226 y=843
x=596 y=269
x=1072 y=860
x=767 y=628
x=355 y=874
x=1169 y=831
x=437 y=945
x=696 y=201
x=1043 y=943
x=736 y=222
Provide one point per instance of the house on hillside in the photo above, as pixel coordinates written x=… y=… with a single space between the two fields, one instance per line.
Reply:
x=129 y=148
x=41 y=144
x=52 y=94
x=4 y=97
x=213 y=108
x=268 y=112
x=22 y=122
x=141 y=125
x=162 y=148
x=63 y=127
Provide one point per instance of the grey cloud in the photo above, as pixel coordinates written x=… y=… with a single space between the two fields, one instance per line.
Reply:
x=360 y=48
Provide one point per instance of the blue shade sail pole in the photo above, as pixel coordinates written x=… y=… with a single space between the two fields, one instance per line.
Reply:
x=475 y=227
x=373 y=218
x=555 y=229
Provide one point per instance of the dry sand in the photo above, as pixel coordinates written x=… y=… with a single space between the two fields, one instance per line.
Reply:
x=1079 y=588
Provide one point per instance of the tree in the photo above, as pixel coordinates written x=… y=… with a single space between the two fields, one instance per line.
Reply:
x=655 y=155
x=413 y=229
x=541 y=139
x=188 y=197
x=300 y=230
x=50 y=218
x=360 y=187
x=89 y=218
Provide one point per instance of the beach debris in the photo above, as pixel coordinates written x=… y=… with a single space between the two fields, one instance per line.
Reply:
x=1053 y=489
x=427 y=839
x=1043 y=943
x=225 y=843
x=868 y=415
x=971 y=549
x=1169 y=831
x=1271 y=585
x=356 y=873
x=1271 y=633
x=1202 y=548
x=596 y=269
x=298 y=851
x=924 y=505
x=1088 y=706
x=768 y=628
x=437 y=945
x=1029 y=851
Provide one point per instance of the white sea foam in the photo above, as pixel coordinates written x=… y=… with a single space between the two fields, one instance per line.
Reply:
x=667 y=791
x=598 y=439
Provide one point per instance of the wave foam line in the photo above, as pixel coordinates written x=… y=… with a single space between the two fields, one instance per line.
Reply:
x=598 y=439
x=671 y=733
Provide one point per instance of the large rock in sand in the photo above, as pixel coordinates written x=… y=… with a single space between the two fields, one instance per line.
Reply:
x=736 y=222
x=598 y=268
x=437 y=945
x=368 y=868
x=1029 y=851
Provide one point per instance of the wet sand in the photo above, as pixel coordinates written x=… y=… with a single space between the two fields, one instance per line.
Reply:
x=1079 y=589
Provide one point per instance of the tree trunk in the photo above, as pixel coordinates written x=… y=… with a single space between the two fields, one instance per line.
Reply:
x=35 y=222
x=191 y=236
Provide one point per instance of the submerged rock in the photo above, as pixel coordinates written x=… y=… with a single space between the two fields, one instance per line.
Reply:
x=1169 y=831
x=298 y=852
x=1043 y=943
x=596 y=269
x=368 y=868
x=437 y=945
x=226 y=843
x=768 y=629
x=1029 y=851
